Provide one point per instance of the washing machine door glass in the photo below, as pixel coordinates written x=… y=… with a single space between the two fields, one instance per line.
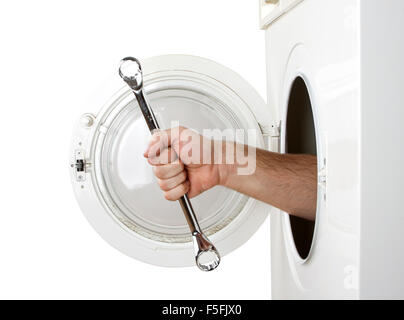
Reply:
x=129 y=181
x=119 y=193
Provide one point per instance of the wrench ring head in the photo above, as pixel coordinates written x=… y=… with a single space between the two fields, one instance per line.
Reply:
x=213 y=259
x=130 y=71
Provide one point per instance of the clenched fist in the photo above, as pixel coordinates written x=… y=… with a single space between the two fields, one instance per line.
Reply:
x=183 y=162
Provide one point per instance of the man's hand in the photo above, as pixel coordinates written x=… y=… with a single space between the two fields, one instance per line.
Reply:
x=182 y=162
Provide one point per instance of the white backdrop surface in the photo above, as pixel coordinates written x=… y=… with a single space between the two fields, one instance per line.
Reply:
x=55 y=57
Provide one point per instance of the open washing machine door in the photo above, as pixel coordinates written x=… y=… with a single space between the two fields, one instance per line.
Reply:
x=115 y=186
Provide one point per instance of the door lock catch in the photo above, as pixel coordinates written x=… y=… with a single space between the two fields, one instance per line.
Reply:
x=80 y=165
x=322 y=179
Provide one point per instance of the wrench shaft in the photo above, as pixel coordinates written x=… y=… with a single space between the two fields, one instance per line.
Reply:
x=202 y=245
x=152 y=123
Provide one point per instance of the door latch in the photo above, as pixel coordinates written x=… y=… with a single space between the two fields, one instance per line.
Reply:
x=322 y=178
x=80 y=165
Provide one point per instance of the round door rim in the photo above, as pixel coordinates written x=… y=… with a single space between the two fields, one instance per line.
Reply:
x=158 y=253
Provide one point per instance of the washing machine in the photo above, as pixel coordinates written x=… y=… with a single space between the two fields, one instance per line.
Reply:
x=334 y=71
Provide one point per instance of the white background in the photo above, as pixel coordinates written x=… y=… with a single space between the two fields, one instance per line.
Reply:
x=54 y=56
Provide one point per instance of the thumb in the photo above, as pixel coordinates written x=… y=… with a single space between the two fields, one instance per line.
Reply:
x=160 y=140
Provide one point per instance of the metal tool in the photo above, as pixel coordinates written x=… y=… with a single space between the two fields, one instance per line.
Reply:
x=207 y=258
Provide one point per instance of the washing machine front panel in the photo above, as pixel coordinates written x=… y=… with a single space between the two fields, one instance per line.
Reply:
x=327 y=59
x=116 y=188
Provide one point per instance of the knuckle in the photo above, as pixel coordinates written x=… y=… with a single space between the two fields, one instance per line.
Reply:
x=163 y=184
x=184 y=188
x=169 y=196
x=173 y=168
x=158 y=172
x=153 y=151
x=152 y=161
x=182 y=176
x=178 y=167
x=162 y=159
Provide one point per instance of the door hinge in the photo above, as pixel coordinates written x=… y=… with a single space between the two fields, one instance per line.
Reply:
x=272 y=133
x=270 y=130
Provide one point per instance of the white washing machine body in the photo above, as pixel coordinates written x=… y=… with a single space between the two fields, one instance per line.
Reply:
x=348 y=54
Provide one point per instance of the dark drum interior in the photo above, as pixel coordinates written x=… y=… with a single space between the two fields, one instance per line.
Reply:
x=300 y=138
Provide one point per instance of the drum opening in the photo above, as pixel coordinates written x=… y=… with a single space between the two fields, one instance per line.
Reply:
x=300 y=138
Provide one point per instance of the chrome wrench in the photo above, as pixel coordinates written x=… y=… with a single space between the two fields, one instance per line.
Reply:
x=207 y=257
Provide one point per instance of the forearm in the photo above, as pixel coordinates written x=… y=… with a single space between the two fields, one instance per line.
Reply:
x=286 y=181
